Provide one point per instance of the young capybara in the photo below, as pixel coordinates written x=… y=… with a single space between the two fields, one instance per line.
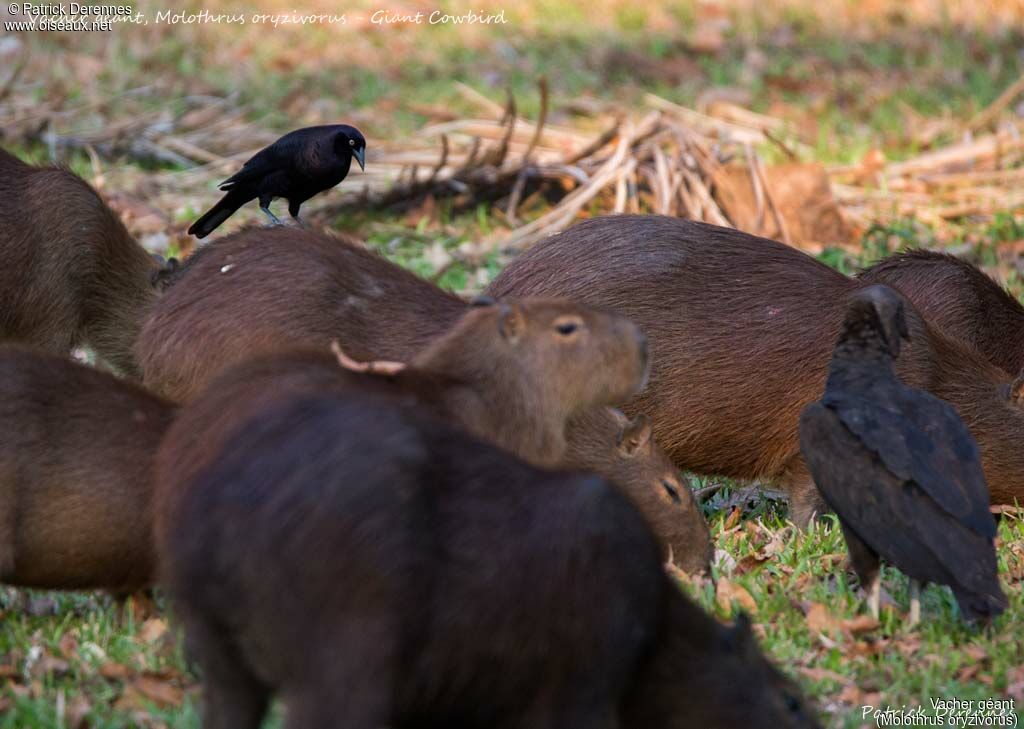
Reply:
x=76 y=453
x=265 y=290
x=960 y=300
x=363 y=561
x=71 y=274
x=741 y=331
x=623 y=451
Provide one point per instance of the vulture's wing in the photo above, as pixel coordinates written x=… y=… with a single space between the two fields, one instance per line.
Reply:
x=922 y=439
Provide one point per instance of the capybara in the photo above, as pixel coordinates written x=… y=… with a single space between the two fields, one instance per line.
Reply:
x=373 y=567
x=71 y=273
x=265 y=290
x=76 y=474
x=960 y=300
x=741 y=331
x=623 y=451
x=513 y=373
x=899 y=467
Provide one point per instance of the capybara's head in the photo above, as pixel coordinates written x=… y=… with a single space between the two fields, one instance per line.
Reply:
x=877 y=310
x=624 y=451
x=563 y=351
x=714 y=679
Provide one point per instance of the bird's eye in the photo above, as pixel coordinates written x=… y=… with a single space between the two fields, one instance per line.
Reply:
x=351 y=142
x=671 y=492
x=566 y=328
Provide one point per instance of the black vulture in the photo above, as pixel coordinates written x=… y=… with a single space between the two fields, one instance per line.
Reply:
x=899 y=467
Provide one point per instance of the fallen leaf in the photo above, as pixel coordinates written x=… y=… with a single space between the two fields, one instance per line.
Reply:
x=153 y=630
x=733 y=519
x=820 y=620
x=115 y=671
x=860 y=624
x=158 y=691
x=728 y=592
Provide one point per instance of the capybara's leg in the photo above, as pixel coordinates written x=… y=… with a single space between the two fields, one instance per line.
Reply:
x=805 y=502
x=7 y=526
x=232 y=697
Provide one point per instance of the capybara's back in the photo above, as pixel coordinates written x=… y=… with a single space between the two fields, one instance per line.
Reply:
x=734 y=322
x=76 y=453
x=361 y=559
x=71 y=274
x=959 y=299
x=264 y=290
x=741 y=330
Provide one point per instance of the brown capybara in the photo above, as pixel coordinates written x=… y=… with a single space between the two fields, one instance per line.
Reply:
x=741 y=330
x=512 y=373
x=72 y=274
x=265 y=290
x=76 y=467
x=623 y=451
x=359 y=559
x=960 y=300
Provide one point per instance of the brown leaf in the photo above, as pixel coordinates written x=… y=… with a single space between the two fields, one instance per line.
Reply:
x=158 y=691
x=153 y=630
x=115 y=671
x=860 y=624
x=733 y=519
x=966 y=673
x=820 y=620
x=728 y=592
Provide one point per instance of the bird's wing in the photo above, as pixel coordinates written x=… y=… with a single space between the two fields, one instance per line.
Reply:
x=922 y=439
x=892 y=515
x=261 y=164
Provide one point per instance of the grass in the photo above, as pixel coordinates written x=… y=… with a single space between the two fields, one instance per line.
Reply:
x=847 y=87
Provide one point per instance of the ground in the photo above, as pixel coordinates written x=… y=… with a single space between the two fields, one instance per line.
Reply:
x=853 y=82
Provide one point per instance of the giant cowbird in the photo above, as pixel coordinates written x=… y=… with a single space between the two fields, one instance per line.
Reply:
x=296 y=167
x=899 y=467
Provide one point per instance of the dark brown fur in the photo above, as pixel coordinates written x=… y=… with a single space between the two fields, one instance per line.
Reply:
x=741 y=331
x=518 y=395
x=290 y=288
x=960 y=300
x=71 y=273
x=264 y=290
x=76 y=453
x=361 y=560
x=622 y=450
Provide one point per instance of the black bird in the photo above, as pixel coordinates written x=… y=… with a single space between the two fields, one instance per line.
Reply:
x=296 y=167
x=899 y=467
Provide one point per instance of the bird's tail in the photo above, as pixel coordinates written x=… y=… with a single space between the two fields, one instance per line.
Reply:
x=216 y=215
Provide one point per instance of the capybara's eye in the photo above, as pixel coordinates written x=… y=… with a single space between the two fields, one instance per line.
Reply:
x=792 y=704
x=567 y=328
x=671 y=491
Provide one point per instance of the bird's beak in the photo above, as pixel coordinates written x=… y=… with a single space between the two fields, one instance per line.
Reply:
x=360 y=155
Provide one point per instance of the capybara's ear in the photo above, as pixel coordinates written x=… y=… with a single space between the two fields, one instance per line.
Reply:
x=635 y=436
x=481 y=301
x=511 y=322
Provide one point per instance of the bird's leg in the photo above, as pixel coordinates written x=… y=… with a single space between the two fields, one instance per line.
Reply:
x=293 y=210
x=874 y=590
x=915 y=602
x=265 y=207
